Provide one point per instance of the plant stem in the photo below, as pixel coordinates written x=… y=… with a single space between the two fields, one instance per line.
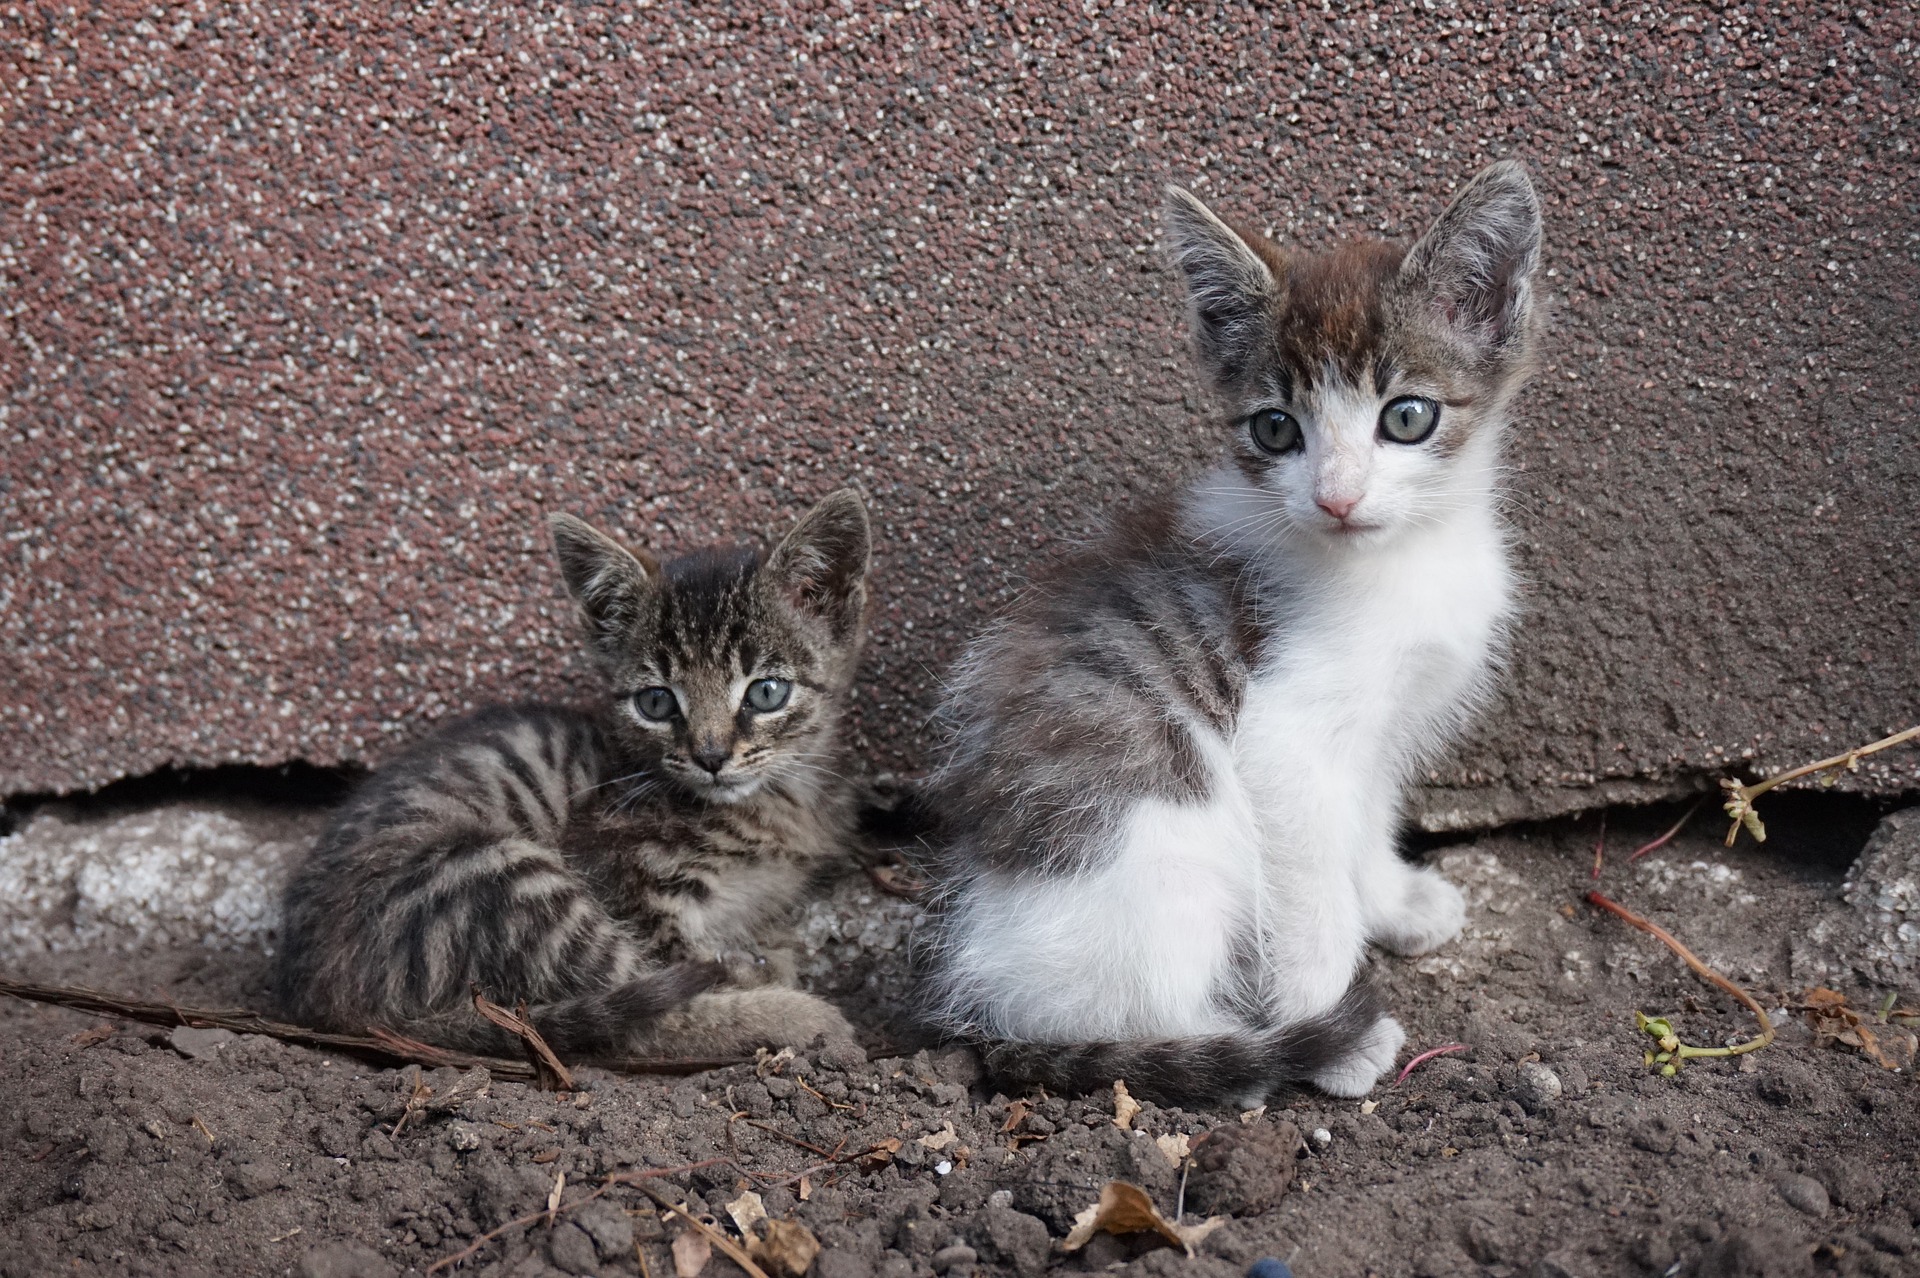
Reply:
x=1740 y=797
x=1701 y=970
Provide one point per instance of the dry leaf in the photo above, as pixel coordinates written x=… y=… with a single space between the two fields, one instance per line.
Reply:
x=937 y=1141
x=691 y=1252
x=1016 y=1115
x=1368 y=1106
x=553 y=1196
x=747 y=1211
x=787 y=1250
x=880 y=1155
x=546 y=1155
x=1126 y=1209
x=1833 y=1022
x=1125 y=1107
x=1174 y=1145
x=98 y=1034
x=472 y=1085
x=1249 y=1117
x=805 y=1190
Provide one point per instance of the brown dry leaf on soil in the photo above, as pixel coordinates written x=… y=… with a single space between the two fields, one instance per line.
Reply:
x=786 y=1250
x=1125 y=1107
x=1126 y=1209
x=1833 y=1022
x=691 y=1252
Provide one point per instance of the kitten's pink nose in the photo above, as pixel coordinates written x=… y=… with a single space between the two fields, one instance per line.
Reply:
x=1338 y=507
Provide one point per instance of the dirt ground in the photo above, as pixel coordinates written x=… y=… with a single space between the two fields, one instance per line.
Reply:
x=1547 y=1148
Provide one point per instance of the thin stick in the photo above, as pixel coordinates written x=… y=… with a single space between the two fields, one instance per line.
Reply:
x=554 y=1076
x=1424 y=1057
x=1667 y=838
x=380 y=1044
x=1600 y=847
x=1739 y=805
x=1700 y=970
x=733 y=1251
x=613 y=1179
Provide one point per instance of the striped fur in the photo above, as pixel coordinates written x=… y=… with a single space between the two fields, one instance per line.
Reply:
x=589 y=862
x=1172 y=796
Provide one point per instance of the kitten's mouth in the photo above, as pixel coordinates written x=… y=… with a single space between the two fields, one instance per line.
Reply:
x=1347 y=529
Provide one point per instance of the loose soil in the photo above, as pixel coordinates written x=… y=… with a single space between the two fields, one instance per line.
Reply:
x=130 y=1149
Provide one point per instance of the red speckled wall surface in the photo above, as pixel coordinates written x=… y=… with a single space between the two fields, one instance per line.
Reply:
x=312 y=311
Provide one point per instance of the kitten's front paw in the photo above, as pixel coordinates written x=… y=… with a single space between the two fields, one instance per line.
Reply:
x=1357 y=1072
x=1431 y=913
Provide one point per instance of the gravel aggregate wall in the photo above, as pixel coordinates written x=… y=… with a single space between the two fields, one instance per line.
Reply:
x=311 y=312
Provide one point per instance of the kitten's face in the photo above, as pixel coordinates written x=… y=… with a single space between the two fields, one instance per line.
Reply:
x=1368 y=385
x=727 y=672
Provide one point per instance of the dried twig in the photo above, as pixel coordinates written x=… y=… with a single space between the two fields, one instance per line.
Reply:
x=1667 y=838
x=1739 y=804
x=611 y=1181
x=379 y=1044
x=1673 y=1053
x=1600 y=847
x=553 y=1075
x=1424 y=1057
x=733 y=1251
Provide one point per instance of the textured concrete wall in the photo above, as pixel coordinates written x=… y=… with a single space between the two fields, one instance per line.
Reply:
x=311 y=312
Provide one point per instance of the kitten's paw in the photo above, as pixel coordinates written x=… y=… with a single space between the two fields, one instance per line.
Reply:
x=1432 y=912
x=1357 y=1072
x=735 y=1022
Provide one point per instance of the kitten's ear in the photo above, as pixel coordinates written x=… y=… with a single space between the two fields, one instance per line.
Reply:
x=1230 y=284
x=822 y=564
x=606 y=578
x=1477 y=263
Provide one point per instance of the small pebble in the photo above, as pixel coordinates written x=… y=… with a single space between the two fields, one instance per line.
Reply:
x=958 y=1256
x=1323 y=1138
x=1804 y=1193
x=1270 y=1267
x=1537 y=1088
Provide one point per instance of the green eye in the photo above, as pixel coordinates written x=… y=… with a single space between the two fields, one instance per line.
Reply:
x=655 y=704
x=1409 y=420
x=768 y=695
x=1274 y=431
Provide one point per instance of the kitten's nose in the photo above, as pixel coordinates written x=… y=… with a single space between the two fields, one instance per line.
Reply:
x=1338 y=507
x=712 y=758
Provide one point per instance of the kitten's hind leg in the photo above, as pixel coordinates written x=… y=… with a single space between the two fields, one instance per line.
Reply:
x=1421 y=911
x=729 y=1023
x=1355 y=1073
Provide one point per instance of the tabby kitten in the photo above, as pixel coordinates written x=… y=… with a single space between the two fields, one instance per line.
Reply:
x=1176 y=779
x=610 y=866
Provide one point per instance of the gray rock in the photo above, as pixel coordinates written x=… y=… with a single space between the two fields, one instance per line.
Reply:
x=1004 y=1236
x=570 y=1248
x=463 y=1137
x=344 y=1260
x=1537 y=1087
x=200 y=1044
x=250 y=1180
x=1884 y=888
x=609 y=1227
x=959 y=1256
x=1804 y=1193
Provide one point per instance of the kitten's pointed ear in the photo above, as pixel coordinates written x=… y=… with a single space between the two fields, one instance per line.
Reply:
x=822 y=564
x=1230 y=284
x=1477 y=263
x=606 y=578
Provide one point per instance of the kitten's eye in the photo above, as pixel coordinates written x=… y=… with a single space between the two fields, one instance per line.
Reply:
x=656 y=704
x=1409 y=420
x=768 y=695
x=1274 y=431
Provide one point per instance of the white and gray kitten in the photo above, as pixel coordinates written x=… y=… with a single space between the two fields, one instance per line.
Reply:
x=1173 y=794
